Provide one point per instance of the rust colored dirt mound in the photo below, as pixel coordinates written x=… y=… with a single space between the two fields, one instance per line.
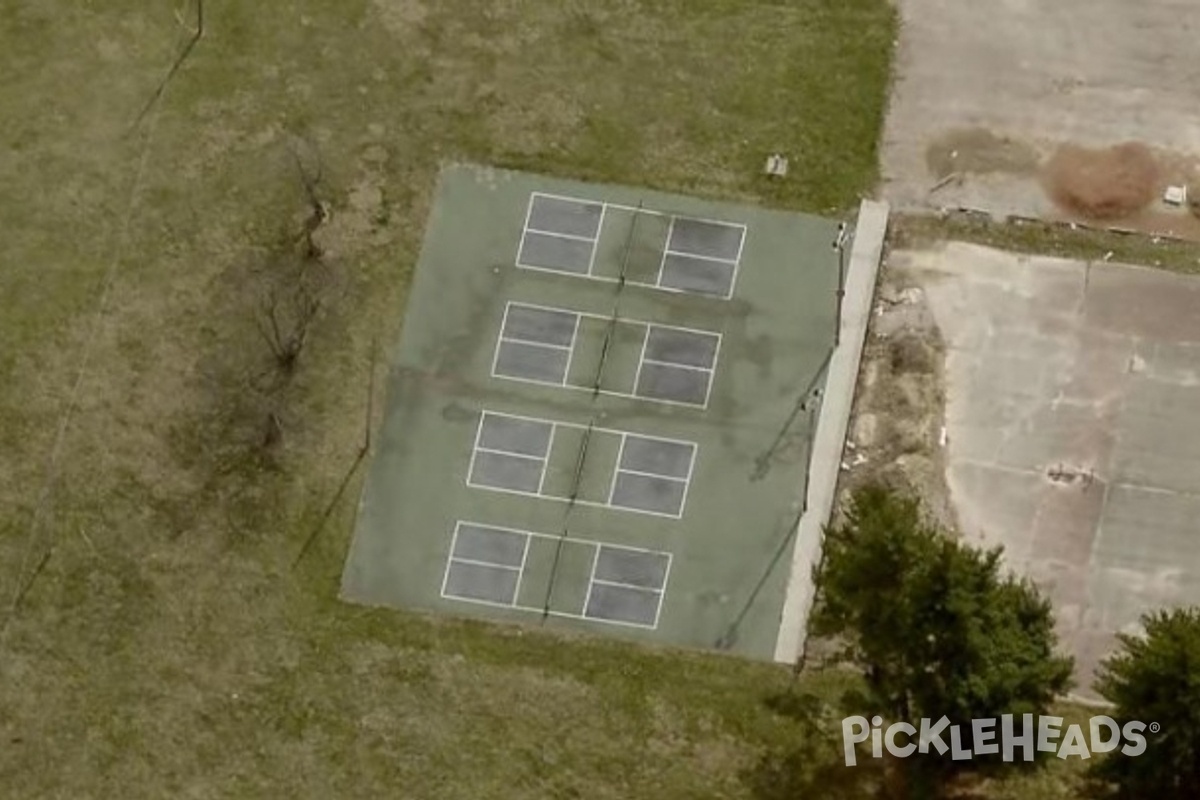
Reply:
x=1103 y=184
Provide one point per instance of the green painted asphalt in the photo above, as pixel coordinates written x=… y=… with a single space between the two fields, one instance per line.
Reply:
x=730 y=549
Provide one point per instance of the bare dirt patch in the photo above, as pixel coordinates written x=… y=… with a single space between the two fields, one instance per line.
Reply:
x=979 y=151
x=1036 y=71
x=1104 y=183
x=896 y=429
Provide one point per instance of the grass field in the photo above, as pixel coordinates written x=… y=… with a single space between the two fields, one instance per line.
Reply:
x=156 y=639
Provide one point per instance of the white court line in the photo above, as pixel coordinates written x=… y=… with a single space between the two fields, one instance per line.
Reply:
x=687 y=484
x=737 y=265
x=591 y=578
x=691 y=464
x=691 y=292
x=673 y=515
x=612 y=485
x=549 y=450
x=450 y=558
x=662 y=261
x=510 y=454
x=571 y=353
x=604 y=206
x=578 y=201
x=642 y=361
x=596 y=544
x=634 y=586
x=728 y=292
x=595 y=428
x=552 y=310
x=554 y=537
x=564 y=271
x=640 y=210
x=502 y=528
x=451 y=561
x=731 y=262
x=543 y=422
x=668 y=365
x=712 y=376
x=584 y=201
x=686 y=480
x=694 y=331
x=606 y=392
x=596 y=238
x=491 y=488
x=661 y=587
x=572 y=236
x=587 y=503
x=561 y=382
x=655 y=475
x=541 y=473
x=550 y=613
x=740 y=227
x=490 y=564
x=504 y=319
x=741 y=246
x=722 y=223
x=500 y=338
x=716 y=357
x=628 y=281
x=663 y=595
x=629 y=547
x=476 y=601
x=652 y=438
x=660 y=592
x=684 y=329
x=524 y=227
x=691 y=458
x=560 y=310
x=607 y=317
x=525 y=562
x=537 y=382
x=545 y=459
x=676 y=365
x=603 y=620
x=637 y=377
x=475 y=449
x=533 y=343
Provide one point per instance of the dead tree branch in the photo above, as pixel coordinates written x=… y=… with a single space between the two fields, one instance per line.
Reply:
x=285 y=317
x=318 y=208
x=187 y=50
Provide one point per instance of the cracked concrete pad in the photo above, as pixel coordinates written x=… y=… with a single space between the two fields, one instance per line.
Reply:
x=984 y=91
x=1072 y=402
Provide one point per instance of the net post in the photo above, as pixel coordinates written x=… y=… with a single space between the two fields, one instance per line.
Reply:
x=839 y=245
